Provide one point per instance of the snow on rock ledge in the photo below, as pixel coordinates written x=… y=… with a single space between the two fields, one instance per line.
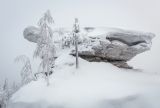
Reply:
x=115 y=45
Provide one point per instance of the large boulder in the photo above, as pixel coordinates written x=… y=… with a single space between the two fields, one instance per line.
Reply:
x=115 y=46
x=32 y=34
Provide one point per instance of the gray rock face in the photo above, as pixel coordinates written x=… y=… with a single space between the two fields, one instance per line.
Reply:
x=117 y=46
x=32 y=34
x=130 y=38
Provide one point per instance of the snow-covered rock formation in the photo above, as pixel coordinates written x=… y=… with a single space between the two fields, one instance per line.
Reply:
x=115 y=46
x=112 y=45
x=94 y=84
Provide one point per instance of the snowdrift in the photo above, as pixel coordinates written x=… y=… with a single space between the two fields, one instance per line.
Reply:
x=93 y=85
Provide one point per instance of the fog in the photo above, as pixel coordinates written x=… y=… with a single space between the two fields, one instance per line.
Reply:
x=15 y=15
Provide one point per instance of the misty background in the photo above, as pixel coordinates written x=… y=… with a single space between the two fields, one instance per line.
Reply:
x=15 y=15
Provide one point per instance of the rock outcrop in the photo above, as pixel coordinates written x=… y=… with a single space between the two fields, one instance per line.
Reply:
x=116 y=46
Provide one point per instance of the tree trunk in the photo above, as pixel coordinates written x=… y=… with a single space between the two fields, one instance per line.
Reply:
x=47 y=77
x=76 y=48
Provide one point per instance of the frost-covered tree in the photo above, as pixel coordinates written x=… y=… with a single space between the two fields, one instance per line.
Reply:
x=64 y=37
x=45 y=47
x=4 y=94
x=1 y=96
x=5 y=85
x=61 y=31
x=75 y=35
x=26 y=71
x=6 y=91
x=14 y=87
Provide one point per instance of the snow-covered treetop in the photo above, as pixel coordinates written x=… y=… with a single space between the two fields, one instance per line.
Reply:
x=46 y=30
x=46 y=19
x=76 y=26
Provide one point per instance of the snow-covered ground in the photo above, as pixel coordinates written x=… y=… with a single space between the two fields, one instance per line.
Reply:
x=93 y=85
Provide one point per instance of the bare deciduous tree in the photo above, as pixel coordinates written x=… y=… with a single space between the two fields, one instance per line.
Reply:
x=45 y=47
x=26 y=71
x=4 y=94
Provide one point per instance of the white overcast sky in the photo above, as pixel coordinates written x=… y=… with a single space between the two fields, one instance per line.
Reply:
x=15 y=15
